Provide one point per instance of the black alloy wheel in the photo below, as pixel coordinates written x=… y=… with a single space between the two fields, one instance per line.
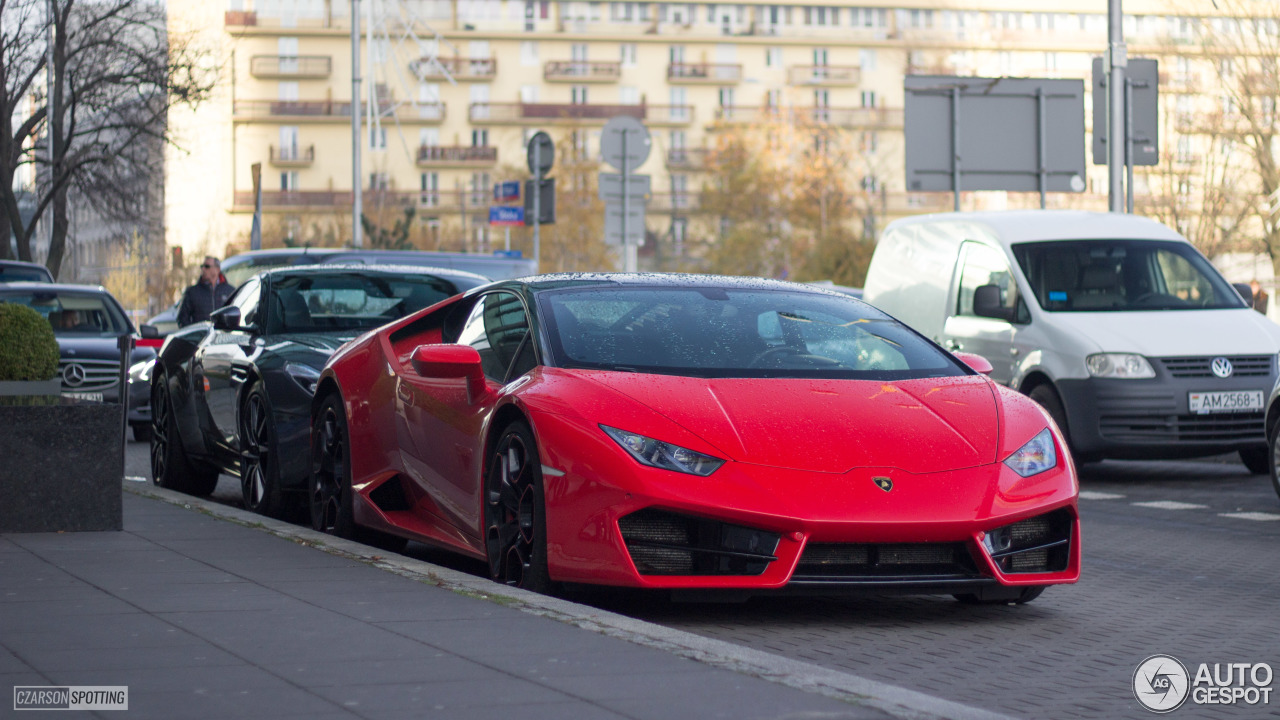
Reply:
x=170 y=466
x=329 y=489
x=259 y=466
x=330 y=484
x=1274 y=447
x=515 y=512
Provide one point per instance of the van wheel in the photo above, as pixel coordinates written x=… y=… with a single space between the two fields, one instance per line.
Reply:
x=1048 y=399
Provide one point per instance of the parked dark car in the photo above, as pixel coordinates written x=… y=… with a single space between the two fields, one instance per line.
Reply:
x=88 y=322
x=19 y=271
x=233 y=395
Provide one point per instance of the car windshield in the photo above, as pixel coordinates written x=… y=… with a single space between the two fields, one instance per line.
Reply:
x=1120 y=275
x=13 y=273
x=74 y=314
x=730 y=332
x=350 y=300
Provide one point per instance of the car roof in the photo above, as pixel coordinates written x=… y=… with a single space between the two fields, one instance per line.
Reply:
x=20 y=263
x=1018 y=226
x=346 y=268
x=15 y=288
x=649 y=279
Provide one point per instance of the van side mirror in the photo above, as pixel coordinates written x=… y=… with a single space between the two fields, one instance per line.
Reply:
x=986 y=303
x=225 y=318
x=450 y=361
x=1245 y=291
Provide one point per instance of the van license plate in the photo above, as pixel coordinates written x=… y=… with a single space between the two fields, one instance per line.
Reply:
x=1203 y=403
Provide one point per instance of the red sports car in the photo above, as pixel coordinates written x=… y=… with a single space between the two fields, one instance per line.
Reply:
x=692 y=433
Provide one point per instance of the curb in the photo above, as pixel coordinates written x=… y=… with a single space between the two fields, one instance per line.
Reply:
x=897 y=701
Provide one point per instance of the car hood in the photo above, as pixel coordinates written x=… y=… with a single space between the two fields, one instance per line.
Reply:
x=1175 y=333
x=820 y=425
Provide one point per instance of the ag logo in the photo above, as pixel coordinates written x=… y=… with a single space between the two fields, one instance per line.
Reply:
x=1161 y=683
x=883 y=483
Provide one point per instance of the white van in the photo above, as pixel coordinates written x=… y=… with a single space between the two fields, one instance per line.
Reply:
x=1122 y=330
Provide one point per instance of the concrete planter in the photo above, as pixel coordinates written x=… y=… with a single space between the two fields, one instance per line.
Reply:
x=31 y=387
x=61 y=467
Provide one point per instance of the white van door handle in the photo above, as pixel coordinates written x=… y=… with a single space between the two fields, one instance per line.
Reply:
x=954 y=345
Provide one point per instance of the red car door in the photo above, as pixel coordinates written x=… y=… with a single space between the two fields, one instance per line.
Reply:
x=442 y=427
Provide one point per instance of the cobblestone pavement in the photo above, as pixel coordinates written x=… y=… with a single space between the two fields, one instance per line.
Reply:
x=1180 y=558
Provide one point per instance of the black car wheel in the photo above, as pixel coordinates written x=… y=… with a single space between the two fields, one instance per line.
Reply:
x=170 y=466
x=329 y=488
x=259 y=466
x=515 y=512
x=1274 y=447
x=141 y=433
x=1257 y=459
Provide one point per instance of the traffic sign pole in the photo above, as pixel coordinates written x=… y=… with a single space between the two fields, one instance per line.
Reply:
x=537 y=206
x=628 y=252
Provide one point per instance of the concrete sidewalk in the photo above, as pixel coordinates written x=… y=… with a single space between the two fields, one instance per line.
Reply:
x=210 y=617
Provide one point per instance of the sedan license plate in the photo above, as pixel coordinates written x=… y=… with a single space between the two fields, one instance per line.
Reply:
x=93 y=396
x=1203 y=403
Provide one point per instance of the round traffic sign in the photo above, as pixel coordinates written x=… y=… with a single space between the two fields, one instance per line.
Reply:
x=627 y=132
x=542 y=153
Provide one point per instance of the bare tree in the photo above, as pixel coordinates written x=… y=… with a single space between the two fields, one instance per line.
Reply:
x=115 y=74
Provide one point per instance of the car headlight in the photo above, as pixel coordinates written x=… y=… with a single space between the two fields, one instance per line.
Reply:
x=1035 y=457
x=656 y=453
x=141 y=371
x=304 y=375
x=1125 y=366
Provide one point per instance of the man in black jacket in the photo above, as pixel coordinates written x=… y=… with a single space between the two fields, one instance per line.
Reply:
x=207 y=295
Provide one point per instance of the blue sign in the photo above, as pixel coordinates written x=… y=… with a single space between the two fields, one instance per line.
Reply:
x=506 y=191
x=499 y=215
x=516 y=254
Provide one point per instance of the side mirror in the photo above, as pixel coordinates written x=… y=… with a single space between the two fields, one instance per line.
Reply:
x=976 y=363
x=986 y=303
x=1245 y=291
x=450 y=361
x=149 y=332
x=226 y=318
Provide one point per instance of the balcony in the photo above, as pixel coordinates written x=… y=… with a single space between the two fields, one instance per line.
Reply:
x=290 y=67
x=704 y=74
x=686 y=158
x=581 y=71
x=463 y=69
x=575 y=114
x=331 y=111
x=292 y=157
x=747 y=114
x=456 y=156
x=427 y=201
x=824 y=75
x=294 y=200
x=881 y=118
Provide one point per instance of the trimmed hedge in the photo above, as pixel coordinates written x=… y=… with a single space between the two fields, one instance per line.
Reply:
x=28 y=349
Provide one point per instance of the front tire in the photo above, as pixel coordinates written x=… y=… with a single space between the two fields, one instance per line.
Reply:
x=1274 y=447
x=170 y=466
x=515 y=511
x=329 y=488
x=1258 y=460
x=259 y=464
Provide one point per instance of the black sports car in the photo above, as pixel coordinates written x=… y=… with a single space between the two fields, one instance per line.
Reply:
x=233 y=395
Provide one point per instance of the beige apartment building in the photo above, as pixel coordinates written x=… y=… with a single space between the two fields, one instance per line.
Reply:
x=462 y=84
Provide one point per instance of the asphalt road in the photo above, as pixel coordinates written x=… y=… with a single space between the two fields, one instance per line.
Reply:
x=1180 y=558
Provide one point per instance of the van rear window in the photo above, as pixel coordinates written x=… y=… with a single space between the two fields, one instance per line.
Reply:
x=1122 y=275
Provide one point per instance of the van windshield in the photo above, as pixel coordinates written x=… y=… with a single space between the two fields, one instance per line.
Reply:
x=1122 y=275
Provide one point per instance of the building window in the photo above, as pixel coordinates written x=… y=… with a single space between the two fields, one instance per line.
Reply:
x=378 y=137
x=578 y=95
x=529 y=52
x=480 y=137
x=726 y=97
x=867 y=59
x=627 y=52
x=868 y=98
x=773 y=57
x=430 y=189
x=289 y=181
x=379 y=181
x=628 y=95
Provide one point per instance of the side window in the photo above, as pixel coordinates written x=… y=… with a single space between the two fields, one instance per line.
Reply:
x=495 y=328
x=984 y=265
x=247 y=299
